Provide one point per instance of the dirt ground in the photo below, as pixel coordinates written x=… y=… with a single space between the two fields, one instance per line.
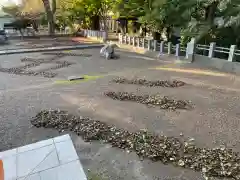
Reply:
x=213 y=120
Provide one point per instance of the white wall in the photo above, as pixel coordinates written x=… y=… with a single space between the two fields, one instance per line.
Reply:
x=4 y=20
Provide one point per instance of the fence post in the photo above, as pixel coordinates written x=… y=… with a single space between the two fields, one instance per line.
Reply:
x=119 y=38
x=97 y=34
x=134 y=40
x=125 y=39
x=191 y=49
x=211 y=50
x=149 y=44
x=143 y=43
x=104 y=36
x=129 y=40
x=169 y=48
x=155 y=45
x=177 y=54
x=231 y=56
x=161 y=48
x=138 y=42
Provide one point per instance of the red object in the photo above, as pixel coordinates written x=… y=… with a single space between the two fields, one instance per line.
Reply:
x=1 y=170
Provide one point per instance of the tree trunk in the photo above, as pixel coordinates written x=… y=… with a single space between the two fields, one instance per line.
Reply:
x=122 y=25
x=145 y=30
x=126 y=25
x=105 y=28
x=156 y=35
x=210 y=12
x=54 y=6
x=50 y=17
x=169 y=33
x=95 y=22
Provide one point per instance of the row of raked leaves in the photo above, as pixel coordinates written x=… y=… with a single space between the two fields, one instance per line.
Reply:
x=179 y=151
x=24 y=69
x=163 y=102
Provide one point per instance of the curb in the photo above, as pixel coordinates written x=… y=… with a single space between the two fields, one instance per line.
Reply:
x=39 y=36
x=19 y=51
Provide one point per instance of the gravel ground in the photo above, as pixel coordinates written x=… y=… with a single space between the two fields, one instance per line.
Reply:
x=213 y=120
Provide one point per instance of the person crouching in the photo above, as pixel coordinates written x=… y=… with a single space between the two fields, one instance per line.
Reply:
x=108 y=51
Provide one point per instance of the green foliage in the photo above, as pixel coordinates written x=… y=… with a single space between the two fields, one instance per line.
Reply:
x=196 y=18
x=83 y=11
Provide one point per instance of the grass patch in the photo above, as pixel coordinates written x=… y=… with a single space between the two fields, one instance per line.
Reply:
x=93 y=176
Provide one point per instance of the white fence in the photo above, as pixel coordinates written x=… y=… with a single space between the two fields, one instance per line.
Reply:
x=101 y=35
x=178 y=50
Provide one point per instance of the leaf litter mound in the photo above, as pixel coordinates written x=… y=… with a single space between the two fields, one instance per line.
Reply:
x=216 y=162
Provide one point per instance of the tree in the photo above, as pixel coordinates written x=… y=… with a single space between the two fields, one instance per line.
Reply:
x=50 y=16
x=38 y=6
x=90 y=12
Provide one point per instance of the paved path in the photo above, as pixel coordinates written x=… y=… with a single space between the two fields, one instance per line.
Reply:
x=213 y=121
x=54 y=159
